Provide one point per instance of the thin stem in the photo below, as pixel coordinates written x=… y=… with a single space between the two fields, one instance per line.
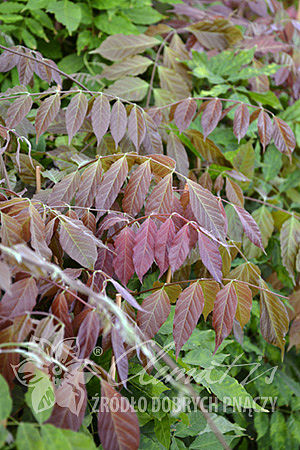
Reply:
x=155 y=66
x=24 y=55
x=262 y=202
x=38 y=178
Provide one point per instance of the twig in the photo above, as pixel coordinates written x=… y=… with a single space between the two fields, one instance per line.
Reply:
x=112 y=370
x=38 y=178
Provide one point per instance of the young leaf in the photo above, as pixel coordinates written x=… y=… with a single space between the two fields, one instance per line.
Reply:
x=60 y=310
x=152 y=142
x=184 y=113
x=75 y=114
x=180 y=248
x=244 y=303
x=100 y=117
x=283 y=136
x=211 y=116
x=37 y=232
x=206 y=209
x=89 y=221
x=143 y=251
x=176 y=150
x=132 y=89
x=64 y=191
x=118 y=121
x=188 y=309
x=46 y=114
x=119 y=46
x=121 y=358
x=88 y=334
x=5 y=276
x=241 y=121
x=89 y=182
x=18 y=110
x=274 y=322
x=250 y=226
x=210 y=256
x=19 y=300
x=210 y=289
x=136 y=127
x=160 y=201
x=111 y=184
x=133 y=65
x=234 y=193
x=78 y=242
x=11 y=231
x=163 y=241
x=123 y=261
x=265 y=128
x=156 y=308
x=224 y=312
x=289 y=243
x=136 y=189
x=25 y=69
x=117 y=428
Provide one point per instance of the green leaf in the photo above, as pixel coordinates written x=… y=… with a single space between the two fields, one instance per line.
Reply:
x=265 y=222
x=209 y=441
x=6 y=401
x=40 y=396
x=28 y=437
x=261 y=423
x=114 y=25
x=66 y=13
x=162 y=431
x=278 y=431
x=265 y=98
x=10 y=7
x=289 y=241
x=60 y=439
x=143 y=15
x=272 y=163
x=29 y=40
x=71 y=63
x=197 y=423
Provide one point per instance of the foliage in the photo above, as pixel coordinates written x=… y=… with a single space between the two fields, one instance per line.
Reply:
x=158 y=193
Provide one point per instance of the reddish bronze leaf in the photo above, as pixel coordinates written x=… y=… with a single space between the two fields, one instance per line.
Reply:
x=244 y=299
x=184 y=113
x=118 y=121
x=89 y=221
x=211 y=115
x=160 y=201
x=156 y=308
x=121 y=358
x=136 y=126
x=143 y=251
x=119 y=46
x=136 y=189
x=176 y=150
x=100 y=116
x=111 y=184
x=19 y=300
x=75 y=114
x=274 y=322
x=89 y=182
x=60 y=309
x=180 y=248
x=46 y=114
x=25 y=69
x=123 y=261
x=64 y=190
x=224 y=312
x=88 y=334
x=18 y=110
x=188 y=309
x=118 y=428
x=241 y=121
x=206 y=209
x=210 y=256
x=37 y=232
x=163 y=241
x=250 y=226
x=234 y=193
x=265 y=128
x=283 y=136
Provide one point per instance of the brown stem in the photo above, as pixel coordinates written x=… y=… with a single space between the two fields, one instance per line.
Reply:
x=24 y=55
x=38 y=178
